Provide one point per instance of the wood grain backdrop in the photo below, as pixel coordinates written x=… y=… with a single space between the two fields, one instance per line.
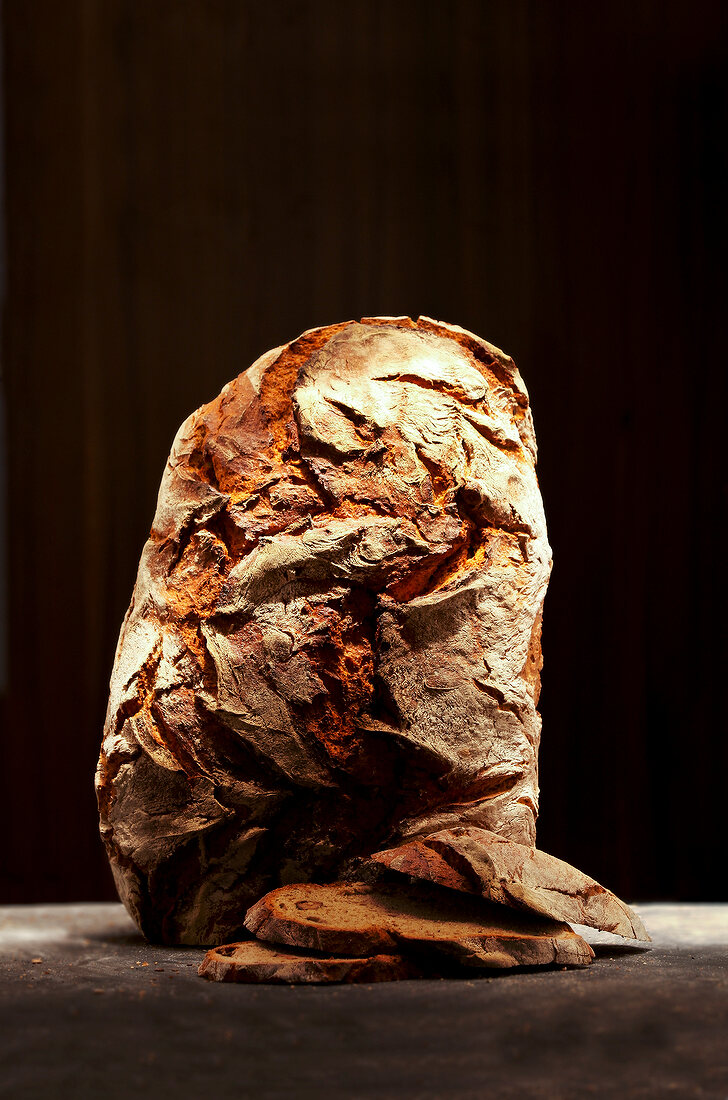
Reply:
x=190 y=182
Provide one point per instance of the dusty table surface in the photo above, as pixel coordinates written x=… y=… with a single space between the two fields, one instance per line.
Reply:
x=89 y=1009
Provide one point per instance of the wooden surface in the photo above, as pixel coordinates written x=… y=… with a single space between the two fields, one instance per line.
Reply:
x=104 y=1013
x=191 y=182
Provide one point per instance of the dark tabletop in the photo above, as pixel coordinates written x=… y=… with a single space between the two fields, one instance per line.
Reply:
x=89 y=1009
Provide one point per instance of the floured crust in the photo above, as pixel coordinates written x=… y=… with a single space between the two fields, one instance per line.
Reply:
x=333 y=642
x=360 y=919
x=499 y=869
x=254 y=962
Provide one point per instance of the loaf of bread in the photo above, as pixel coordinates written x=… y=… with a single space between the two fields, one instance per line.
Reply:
x=333 y=642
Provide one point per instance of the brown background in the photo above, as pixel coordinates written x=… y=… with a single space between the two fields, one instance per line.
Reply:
x=190 y=182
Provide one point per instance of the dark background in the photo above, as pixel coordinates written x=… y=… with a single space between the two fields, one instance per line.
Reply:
x=190 y=182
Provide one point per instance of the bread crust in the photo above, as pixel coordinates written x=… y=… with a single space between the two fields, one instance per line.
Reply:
x=515 y=875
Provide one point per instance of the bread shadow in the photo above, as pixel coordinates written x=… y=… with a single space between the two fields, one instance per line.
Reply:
x=619 y=950
x=601 y=951
x=118 y=939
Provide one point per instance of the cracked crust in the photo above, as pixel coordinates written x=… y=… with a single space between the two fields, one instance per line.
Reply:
x=333 y=642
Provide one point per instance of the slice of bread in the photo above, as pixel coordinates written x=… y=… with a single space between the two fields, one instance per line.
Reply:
x=366 y=920
x=513 y=874
x=253 y=961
